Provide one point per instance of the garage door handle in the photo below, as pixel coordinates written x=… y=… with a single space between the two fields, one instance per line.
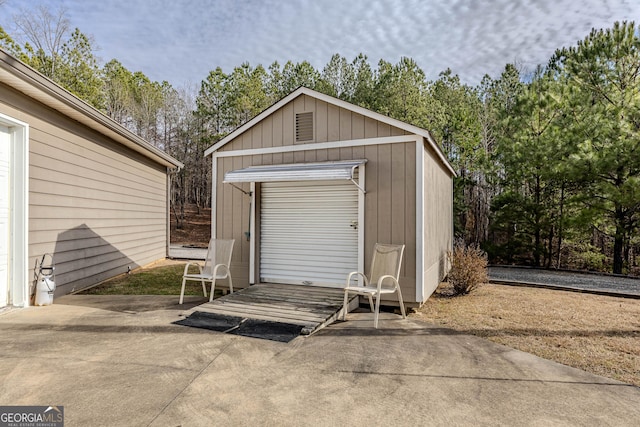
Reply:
x=354 y=225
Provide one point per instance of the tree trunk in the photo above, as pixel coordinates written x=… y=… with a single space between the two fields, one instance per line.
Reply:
x=179 y=219
x=549 y=255
x=560 y=223
x=481 y=203
x=537 y=245
x=618 y=242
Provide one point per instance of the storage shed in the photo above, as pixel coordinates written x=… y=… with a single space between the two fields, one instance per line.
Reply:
x=74 y=184
x=308 y=187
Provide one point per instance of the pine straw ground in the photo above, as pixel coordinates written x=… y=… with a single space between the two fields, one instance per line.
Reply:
x=594 y=333
x=196 y=230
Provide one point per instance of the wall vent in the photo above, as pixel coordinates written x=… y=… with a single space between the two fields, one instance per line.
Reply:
x=304 y=127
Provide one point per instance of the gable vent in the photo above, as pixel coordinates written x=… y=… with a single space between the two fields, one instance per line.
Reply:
x=304 y=127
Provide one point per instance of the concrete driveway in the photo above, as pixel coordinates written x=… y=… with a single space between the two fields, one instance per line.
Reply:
x=120 y=361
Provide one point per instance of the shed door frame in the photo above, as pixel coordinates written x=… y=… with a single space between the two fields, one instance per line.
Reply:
x=308 y=232
x=18 y=211
x=254 y=270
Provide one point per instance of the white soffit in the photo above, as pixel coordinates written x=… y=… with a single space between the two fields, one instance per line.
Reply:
x=295 y=172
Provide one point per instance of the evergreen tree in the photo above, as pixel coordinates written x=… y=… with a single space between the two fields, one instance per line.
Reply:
x=603 y=71
x=78 y=70
x=532 y=158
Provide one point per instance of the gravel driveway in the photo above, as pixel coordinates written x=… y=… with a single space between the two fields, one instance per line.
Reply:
x=564 y=279
x=187 y=252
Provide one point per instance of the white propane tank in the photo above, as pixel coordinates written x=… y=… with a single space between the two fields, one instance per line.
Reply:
x=44 y=290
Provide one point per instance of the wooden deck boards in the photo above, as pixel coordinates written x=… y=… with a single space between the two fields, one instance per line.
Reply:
x=311 y=307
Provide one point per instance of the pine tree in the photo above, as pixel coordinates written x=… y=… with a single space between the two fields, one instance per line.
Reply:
x=603 y=71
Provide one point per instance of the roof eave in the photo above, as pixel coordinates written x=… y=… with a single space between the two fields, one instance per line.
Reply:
x=25 y=79
x=343 y=104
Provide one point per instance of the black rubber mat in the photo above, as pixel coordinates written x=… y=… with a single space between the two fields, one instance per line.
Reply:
x=211 y=321
x=274 y=331
x=254 y=328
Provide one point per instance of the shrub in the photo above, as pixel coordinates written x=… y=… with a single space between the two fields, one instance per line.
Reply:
x=585 y=256
x=592 y=260
x=468 y=269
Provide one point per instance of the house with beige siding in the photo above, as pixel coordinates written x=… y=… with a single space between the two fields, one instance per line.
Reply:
x=308 y=187
x=74 y=184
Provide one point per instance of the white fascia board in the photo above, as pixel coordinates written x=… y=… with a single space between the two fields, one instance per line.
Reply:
x=318 y=146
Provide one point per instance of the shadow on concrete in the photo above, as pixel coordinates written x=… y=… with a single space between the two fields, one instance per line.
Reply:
x=369 y=330
x=489 y=379
x=132 y=303
x=98 y=329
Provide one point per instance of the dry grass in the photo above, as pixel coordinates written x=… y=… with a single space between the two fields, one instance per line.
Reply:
x=594 y=333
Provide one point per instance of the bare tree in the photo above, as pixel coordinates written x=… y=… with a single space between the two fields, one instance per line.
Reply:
x=46 y=30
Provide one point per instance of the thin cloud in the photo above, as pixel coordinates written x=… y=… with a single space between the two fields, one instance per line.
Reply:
x=182 y=41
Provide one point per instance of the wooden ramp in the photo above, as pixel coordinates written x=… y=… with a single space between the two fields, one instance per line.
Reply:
x=307 y=306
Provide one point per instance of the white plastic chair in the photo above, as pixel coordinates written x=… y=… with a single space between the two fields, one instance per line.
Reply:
x=216 y=266
x=383 y=279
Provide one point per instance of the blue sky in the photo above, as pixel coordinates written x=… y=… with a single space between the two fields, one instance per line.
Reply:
x=182 y=40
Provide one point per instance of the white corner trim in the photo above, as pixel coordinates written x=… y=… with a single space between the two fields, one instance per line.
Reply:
x=214 y=204
x=420 y=216
x=19 y=281
x=361 y=218
x=252 y=235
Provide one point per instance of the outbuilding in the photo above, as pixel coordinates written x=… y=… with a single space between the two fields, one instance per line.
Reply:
x=74 y=184
x=308 y=187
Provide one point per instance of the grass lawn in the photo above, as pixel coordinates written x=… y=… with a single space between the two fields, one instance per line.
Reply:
x=598 y=334
x=164 y=278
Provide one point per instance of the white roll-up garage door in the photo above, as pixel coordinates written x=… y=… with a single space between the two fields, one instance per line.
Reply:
x=5 y=157
x=308 y=232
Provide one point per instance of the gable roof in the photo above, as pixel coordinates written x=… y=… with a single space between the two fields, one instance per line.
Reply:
x=25 y=79
x=339 y=103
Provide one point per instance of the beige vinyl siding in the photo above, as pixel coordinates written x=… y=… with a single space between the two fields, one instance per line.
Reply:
x=389 y=203
x=96 y=205
x=331 y=123
x=438 y=227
